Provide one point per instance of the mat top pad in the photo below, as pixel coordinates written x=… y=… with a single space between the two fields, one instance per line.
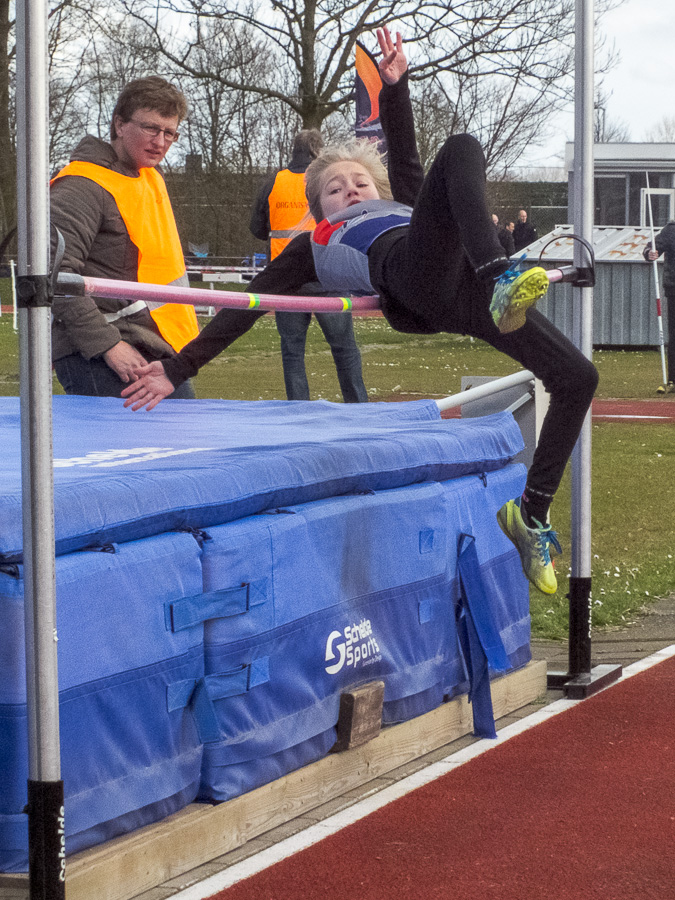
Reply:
x=121 y=476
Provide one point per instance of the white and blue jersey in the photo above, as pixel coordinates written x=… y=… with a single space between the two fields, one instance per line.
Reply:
x=341 y=242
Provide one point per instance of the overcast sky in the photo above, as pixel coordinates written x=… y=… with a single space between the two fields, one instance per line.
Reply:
x=642 y=84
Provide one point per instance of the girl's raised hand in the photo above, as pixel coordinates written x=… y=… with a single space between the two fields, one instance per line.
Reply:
x=393 y=63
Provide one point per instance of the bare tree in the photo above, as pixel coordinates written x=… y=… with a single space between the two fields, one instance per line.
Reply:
x=605 y=129
x=502 y=116
x=663 y=131
x=227 y=127
x=310 y=44
x=255 y=72
x=89 y=72
x=67 y=27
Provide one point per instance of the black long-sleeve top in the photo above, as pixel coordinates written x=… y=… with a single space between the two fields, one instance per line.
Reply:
x=294 y=267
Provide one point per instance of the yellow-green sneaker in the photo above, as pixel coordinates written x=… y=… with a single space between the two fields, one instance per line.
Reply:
x=515 y=292
x=533 y=546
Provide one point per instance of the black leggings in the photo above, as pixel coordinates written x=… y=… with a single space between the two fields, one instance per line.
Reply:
x=431 y=271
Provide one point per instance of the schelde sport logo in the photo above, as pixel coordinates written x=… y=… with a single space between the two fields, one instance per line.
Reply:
x=354 y=647
x=108 y=458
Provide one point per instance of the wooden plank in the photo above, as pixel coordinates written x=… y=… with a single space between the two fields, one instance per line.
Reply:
x=126 y=866
x=11 y=885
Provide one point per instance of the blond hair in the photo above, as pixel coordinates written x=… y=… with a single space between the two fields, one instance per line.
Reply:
x=361 y=151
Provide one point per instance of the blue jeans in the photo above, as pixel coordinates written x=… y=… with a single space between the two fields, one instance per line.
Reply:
x=95 y=378
x=338 y=329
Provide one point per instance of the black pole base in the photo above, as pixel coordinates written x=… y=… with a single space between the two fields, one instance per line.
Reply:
x=46 y=841
x=578 y=687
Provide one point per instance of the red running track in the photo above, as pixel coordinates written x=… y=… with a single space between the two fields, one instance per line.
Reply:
x=580 y=807
x=646 y=412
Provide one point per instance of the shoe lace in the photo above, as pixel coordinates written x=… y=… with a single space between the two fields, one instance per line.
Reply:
x=514 y=270
x=546 y=537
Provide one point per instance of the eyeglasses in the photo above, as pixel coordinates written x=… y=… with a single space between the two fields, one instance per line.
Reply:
x=154 y=131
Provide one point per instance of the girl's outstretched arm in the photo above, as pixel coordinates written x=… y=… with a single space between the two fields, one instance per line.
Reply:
x=393 y=63
x=150 y=388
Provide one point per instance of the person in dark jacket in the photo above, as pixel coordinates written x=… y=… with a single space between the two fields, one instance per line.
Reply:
x=428 y=248
x=523 y=233
x=505 y=235
x=280 y=212
x=100 y=203
x=664 y=242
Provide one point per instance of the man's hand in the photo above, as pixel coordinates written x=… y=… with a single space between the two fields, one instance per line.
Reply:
x=149 y=388
x=123 y=359
x=393 y=63
x=653 y=255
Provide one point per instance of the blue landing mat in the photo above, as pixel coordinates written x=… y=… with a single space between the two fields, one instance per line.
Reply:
x=130 y=753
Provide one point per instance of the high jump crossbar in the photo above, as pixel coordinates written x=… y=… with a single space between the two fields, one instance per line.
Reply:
x=78 y=286
x=70 y=285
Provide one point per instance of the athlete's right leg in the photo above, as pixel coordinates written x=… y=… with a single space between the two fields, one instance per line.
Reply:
x=570 y=380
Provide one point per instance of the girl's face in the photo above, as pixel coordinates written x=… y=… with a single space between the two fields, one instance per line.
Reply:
x=343 y=184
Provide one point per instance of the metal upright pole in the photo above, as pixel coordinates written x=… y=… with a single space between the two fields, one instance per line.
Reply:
x=582 y=306
x=46 y=833
x=581 y=680
x=655 y=271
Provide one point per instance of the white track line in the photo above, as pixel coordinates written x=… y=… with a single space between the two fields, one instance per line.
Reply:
x=601 y=415
x=317 y=832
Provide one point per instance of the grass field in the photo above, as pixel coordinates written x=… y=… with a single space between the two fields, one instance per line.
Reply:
x=633 y=502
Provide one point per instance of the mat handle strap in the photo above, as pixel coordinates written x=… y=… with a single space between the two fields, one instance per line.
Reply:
x=213 y=688
x=235 y=601
x=479 y=638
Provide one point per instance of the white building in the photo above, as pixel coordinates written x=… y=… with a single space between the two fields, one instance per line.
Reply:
x=621 y=171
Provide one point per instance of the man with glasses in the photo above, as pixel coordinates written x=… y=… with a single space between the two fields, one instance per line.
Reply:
x=111 y=206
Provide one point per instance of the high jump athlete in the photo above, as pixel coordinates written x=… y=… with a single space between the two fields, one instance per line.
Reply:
x=428 y=248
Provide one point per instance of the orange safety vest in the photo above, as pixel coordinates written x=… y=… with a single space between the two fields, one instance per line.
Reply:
x=145 y=208
x=288 y=205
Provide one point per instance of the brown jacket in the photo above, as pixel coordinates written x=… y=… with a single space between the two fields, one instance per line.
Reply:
x=97 y=244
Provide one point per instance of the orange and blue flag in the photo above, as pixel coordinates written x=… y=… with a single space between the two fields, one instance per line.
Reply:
x=367 y=90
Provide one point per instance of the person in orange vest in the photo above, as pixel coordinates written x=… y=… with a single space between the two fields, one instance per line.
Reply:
x=111 y=206
x=279 y=214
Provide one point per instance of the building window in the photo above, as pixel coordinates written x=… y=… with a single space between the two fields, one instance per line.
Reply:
x=610 y=200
